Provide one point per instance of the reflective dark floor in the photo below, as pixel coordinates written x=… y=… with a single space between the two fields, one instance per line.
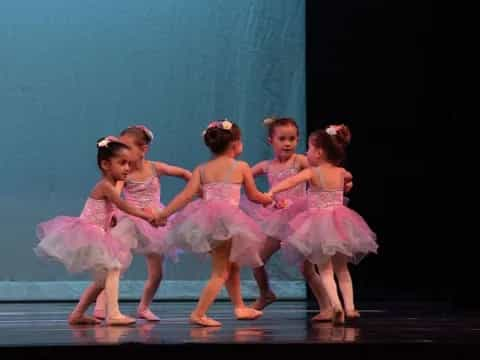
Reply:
x=385 y=331
x=44 y=324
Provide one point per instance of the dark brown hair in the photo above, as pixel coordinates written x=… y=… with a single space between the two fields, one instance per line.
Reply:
x=110 y=150
x=217 y=138
x=335 y=145
x=277 y=122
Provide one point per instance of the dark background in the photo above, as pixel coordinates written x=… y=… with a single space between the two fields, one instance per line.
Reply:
x=370 y=66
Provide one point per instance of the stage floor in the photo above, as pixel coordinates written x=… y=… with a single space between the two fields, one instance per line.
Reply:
x=44 y=325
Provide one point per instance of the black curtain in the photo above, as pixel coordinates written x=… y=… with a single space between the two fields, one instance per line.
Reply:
x=370 y=66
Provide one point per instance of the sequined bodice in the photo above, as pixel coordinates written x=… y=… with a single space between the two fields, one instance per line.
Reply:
x=274 y=177
x=319 y=199
x=228 y=192
x=143 y=193
x=98 y=212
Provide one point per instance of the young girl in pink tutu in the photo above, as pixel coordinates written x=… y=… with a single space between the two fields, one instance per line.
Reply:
x=283 y=136
x=142 y=189
x=85 y=243
x=327 y=233
x=215 y=224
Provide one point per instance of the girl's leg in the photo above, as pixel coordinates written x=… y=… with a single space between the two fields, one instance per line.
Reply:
x=154 y=267
x=100 y=304
x=267 y=296
x=220 y=268
x=316 y=285
x=340 y=266
x=242 y=312
x=114 y=316
x=328 y=282
x=77 y=316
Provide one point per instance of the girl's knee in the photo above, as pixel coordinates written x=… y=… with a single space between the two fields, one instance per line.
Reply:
x=220 y=275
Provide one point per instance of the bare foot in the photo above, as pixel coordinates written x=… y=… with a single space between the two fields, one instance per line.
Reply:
x=263 y=301
x=203 y=321
x=99 y=314
x=246 y=313
x=120 y=320
x=147 y=314
x=324 y=315
x=352 y=314
x=82 y=319
x=338 y=317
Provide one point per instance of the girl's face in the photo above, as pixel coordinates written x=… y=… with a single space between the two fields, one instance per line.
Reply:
x=118 y=166
x=137 y=151
x=284 y=140
x=314 y=155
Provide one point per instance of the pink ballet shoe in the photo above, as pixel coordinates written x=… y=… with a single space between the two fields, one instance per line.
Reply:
x=338 y=317
x=352 y=314
x=99 y=314
x=82 y=319
x=120 y=320
x=204 y=321
x=324 y=315
x=263 y=301
x=246 y=313
x=148 y=315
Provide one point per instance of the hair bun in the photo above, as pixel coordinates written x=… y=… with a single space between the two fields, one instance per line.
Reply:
x=268 y=121
x=104 y=142
x=344 y=136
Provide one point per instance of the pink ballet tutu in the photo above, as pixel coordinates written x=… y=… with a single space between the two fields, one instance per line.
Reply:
x=131 y=229
x=256 y=211
x=274 y=221
x=146 y=239
x=319 y=233
x=81 y=245
x=205 y=224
